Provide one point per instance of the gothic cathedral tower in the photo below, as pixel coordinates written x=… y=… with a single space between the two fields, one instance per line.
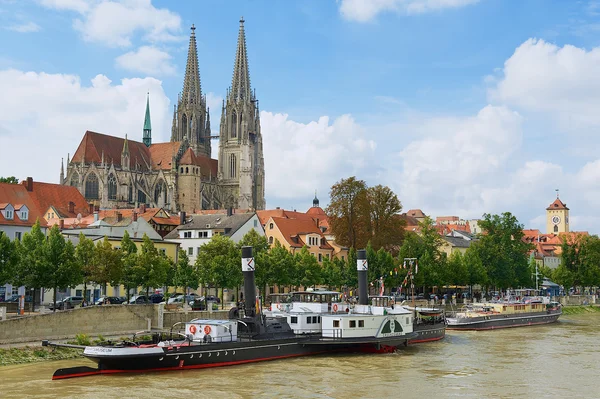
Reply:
x=191 y=122
x=557 y=217
x=241 y=163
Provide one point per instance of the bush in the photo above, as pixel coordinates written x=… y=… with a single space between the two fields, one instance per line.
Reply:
x=82 y=339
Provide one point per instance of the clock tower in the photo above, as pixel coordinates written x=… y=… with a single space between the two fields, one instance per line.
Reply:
x=557 y=217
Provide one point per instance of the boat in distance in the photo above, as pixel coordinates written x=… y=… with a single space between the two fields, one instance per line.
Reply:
x=495 y=315
x=252 y=338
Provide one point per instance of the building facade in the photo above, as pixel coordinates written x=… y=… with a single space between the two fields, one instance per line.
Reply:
x=115 y=172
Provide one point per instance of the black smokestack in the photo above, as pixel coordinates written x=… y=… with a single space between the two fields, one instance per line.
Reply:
x=363 y=268
x=249 y=285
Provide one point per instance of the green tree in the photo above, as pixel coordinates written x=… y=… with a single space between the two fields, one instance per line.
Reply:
x=348 y=213
x=281 y=264
x=186 y=275
x=457 y=271
x=107 y=265
x=60 y=269
x=155 y=266
x=84 y=257
x=503 y=252
x=30 y=268
x=476 y=273
x=307 y=269
x=387 y=229
x=218 y=263
x=8 y=258
x=132 y=274
x=10 y=180
x=333 y=272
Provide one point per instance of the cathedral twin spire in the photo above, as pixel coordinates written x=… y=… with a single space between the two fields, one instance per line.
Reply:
x=240 y=82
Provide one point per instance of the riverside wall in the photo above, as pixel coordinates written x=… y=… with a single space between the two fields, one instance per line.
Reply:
x=95 y=320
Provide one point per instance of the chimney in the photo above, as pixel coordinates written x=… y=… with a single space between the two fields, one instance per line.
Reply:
x=119 y=216
x=96 y=208
x=363 y=268
x=182 y=218
x=96 y=216
x=229 y=211
x=29 y=184
x=142 y=208
x=91 y=207
x=277 y=208
x=71 y=207
x=61 y=224
x=249 y=283
x=135 y=216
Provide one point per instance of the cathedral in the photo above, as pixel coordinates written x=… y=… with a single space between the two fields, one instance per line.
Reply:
x=115 y=172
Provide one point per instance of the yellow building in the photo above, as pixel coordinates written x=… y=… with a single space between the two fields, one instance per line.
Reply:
x=456 y=241
x=557 y=217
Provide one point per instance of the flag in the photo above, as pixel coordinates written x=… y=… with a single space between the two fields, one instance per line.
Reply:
x=416 y=267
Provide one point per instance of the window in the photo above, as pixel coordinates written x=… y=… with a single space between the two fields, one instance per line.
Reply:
x=352 y=323
x=163 y=251
x=205 y=234
x=112 y=187
x=556 y=228
x=91 y=186
x=314 y=320
x=343 y=257
x=255 y=223
x=18 y=235
x=187 y=234
x=74 y=179
x=24 y=215
x=9 y=215
x=327 y=256
x=313 y=254
x=320 y=258
x=361 y=323
x=309 y=320
x=159 y=190
x=232 y=166
x=197 y=250
x=234 y=125
x=294 y=320
x=190 y=250
x=270 y=226
x=336 y=324
x=271 y=240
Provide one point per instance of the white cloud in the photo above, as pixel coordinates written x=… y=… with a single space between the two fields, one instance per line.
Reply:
x=114 y=23
x=561 y=82
x=148 y=60
x=367 y=10
x=25 y=28
x=300 y=158
x=44 y=117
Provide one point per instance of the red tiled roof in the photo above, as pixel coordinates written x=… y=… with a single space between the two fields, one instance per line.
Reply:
x=162 y=154
x=208 y=166
x=316 y=211
x=293 y=229
x=557 y=205
x=45 y=195
x=416 y=213
x=93 y=145
x=18 y=194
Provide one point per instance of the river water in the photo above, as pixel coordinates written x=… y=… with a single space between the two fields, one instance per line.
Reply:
x=557 y=360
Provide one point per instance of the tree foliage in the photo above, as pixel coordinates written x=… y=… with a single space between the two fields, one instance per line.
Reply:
x=8 y=258
x=218 y=263
x=387 y=229
x=580 y=261
x=60 y=270
x=348 y=212
x=10 y=180
x=106 y=265
x=186 y=275
x=151 y=267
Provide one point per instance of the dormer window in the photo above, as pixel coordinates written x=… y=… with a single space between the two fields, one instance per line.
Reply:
x=187 y=234
x=24 y=215
x=8 y=214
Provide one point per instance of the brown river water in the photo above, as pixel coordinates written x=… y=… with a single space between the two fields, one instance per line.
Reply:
x=557 y=360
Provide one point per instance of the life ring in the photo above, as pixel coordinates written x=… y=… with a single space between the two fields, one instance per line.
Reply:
x=193 y=329
x=207 y=330
x=335 y=307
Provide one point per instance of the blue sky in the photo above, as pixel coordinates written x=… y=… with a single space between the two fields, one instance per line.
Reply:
x=461 y=106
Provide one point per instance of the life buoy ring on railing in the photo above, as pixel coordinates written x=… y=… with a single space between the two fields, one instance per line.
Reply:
x=193 y=329
x=207 y=330
x=335 y=307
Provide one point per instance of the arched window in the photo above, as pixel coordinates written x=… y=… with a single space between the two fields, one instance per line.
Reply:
x=234 y=124
x=91 y=186
x=74 y=179
x=271 y=240
x=130 y=194
x=182 y=169
x=112 y=187
x=232 y=166
x=187 y=170
x=158 y=193
x=184 y=126
x=556 y=228
x=141 y=197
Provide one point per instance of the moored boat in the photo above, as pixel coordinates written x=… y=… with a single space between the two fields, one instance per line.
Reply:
x=494 y=315
x=252 y=338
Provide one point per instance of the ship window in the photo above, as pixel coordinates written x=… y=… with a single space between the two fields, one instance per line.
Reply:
x=294 y=320
x=309 y=320
x=336 y=324
x=361 y=323
x=352 y=323
x=314 y=320
x=319 y=319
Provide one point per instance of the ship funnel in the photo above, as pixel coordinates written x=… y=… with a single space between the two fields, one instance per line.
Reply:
x=363 y=268
x=249 y=284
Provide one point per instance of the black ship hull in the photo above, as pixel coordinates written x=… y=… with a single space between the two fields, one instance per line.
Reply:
x=428 y=332
x=133 y=359
x=497 y=321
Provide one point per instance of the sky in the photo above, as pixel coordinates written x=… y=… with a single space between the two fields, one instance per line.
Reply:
x=462 y=107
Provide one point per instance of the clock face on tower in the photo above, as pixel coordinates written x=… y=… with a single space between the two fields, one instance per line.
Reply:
x=556 y=219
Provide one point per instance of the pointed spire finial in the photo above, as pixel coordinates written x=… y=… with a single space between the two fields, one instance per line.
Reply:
x=240 y=84
x=147 y=137
x=192 y=92
x=242 y=21
x=556 y=193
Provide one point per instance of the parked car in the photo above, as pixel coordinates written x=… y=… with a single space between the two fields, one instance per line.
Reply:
x=400 y=297
x=180 y=299
x=108 y=300
x=15 y=298
x=67 y=303
x=213 y=298
x=138 y=300
x=156 y=298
